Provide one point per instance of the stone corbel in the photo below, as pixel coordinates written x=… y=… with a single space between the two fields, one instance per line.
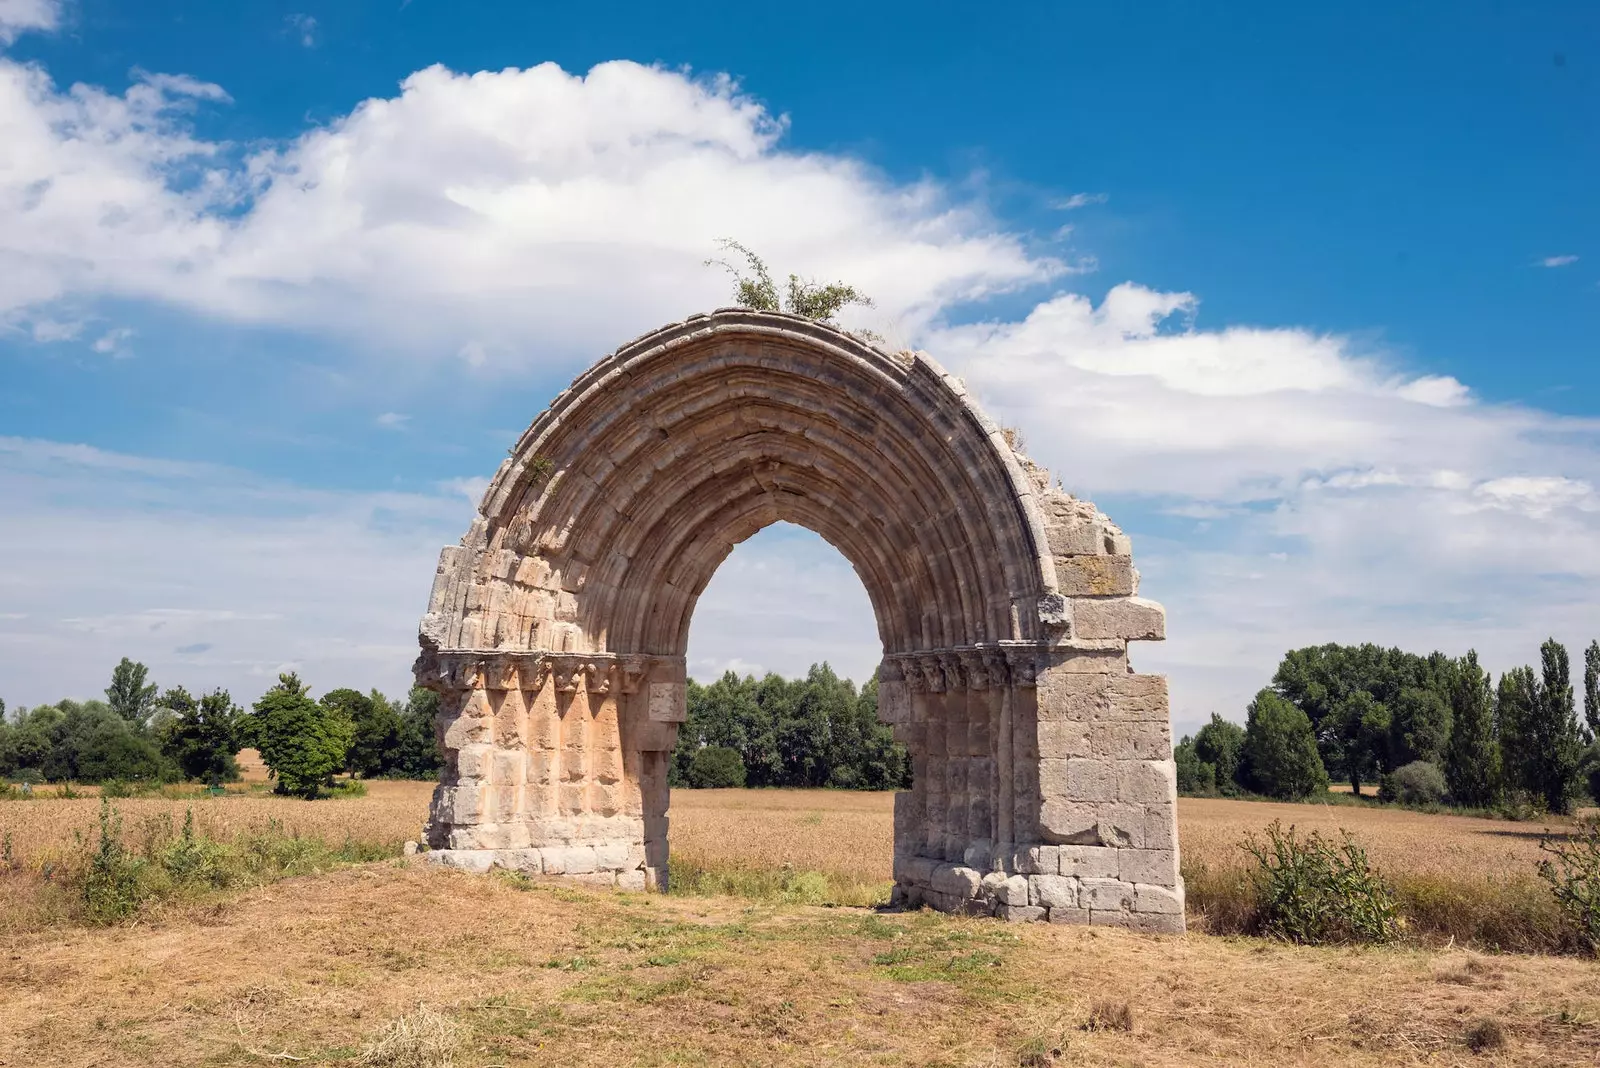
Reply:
x=634 y=671
x=1024 y=664
x=976 y=669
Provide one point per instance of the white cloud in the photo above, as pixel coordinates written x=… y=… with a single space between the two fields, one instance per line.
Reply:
x=510 y=217
x=304 y=27
x=1080 y=200
x=19 y=16
x=1558 y=261
x=393 y=420
x=112 y=342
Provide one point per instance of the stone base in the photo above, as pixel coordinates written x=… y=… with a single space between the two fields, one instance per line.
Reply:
x=1041 y=884
x=617 y=865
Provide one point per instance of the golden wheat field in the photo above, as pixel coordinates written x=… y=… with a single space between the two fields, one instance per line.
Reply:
x=330 y=967
x=846 y=833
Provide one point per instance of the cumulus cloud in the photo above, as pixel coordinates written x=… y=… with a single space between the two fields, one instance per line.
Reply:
x=507 y=216
x=19 y=16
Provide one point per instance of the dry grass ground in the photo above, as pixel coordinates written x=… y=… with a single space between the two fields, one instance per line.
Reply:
x=320 y=967
x=316 y=968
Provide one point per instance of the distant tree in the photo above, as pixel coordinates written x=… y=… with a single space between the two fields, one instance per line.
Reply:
x=416 y=752
x=1514 y=700
x=1472 y=759
x=376 y=727
x=201 y=737
x=1591 y=689
x=1221 y=745
x=1280 y=749
x=129 y=695
x=716 y=767
x=1554 y=739
x=758 y=291
x=1419 y=728
x=1196 y=778
x=303 y=741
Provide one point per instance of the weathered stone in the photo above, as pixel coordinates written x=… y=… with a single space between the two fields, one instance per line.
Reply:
x=1155 y=866
x=1158 y=899
x=1128 y=618
x=1096 y=576
x=1104 y=894
x=1053 y=891
x=1090 y=862
x=555 y=631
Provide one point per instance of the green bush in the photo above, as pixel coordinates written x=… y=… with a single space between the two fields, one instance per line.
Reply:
x=1280 y=750
x=716 y=767
x=1573 y=872
x=112 y=887
x=1316 y=892
x=1417 y=783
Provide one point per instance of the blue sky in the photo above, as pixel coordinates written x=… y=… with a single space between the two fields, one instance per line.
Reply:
x=1306 y=299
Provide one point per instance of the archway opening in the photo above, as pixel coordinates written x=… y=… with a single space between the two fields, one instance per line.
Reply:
x=783 y=777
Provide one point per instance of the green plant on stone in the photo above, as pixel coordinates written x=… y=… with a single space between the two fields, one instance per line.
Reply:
x=1317 y=892
x=1573 y=871
x=758 y=291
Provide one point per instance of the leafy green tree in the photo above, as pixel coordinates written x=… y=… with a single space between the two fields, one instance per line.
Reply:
x=1556 y=743
x=716 y=767
x=374 y=745
x=201 y=737
x=1472 y=758
x=1419 y=728
x=130 y=695
x=758 y=291
x=1591 y=689
x=1221 y=745
x=1280 y=749
x=416 y=752
x=1514 y=701
x=303 y=741
x=1196 y=778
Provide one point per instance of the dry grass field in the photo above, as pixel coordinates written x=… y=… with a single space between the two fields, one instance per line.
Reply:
x=315 y=968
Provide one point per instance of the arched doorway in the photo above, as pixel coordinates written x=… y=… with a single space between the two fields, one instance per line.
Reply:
x=556 y=630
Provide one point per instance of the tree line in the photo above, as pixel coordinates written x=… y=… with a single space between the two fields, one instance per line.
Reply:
x=1427 y=729
x=815 y=731
x=141 y=733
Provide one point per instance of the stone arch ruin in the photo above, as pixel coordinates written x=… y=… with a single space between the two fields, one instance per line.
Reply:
x=555 y=634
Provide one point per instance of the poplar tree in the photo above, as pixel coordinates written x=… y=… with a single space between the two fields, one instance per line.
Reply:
x=1472 y=759
x=1591 y=689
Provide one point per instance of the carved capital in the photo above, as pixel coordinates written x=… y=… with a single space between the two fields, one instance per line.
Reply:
x=1024 y=665
x=975 y=668
x=932 y=673
x=634 y=670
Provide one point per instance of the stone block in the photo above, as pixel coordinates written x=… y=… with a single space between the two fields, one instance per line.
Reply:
x=1157 y=899
x=1020 y=913
x=1090 y=861
x=1161 y=826
x=475 y=761
x=1068 y=822
x=1013 y=890
x=1037 y=860
x=1065 y=738
x=1137 y=697
x=1147 y=781
x=614 y=856
x=1096 y=576
x=1100 y=895
x=1090 y=658
x=1121 y=823
x=1154 y=922
x=631 y=880
x=1143 y=740
x=1085 y=780
x=1053 y=891
x=1127 y=618
x=1157 y=866
x=1078 y=916
x=473 y=860
x=604 y=880
x=957 y=880
x=525 y=861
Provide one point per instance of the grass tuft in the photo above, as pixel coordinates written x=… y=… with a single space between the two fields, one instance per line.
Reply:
x=1485 y=1034
x=421 y=1039
x=1110 y=1016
